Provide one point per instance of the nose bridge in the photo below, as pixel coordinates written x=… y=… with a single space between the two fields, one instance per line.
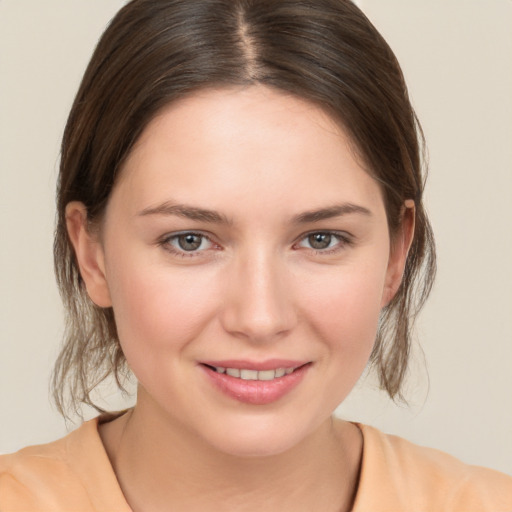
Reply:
x=260 y=305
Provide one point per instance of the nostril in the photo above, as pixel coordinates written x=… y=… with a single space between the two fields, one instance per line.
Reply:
x=258 y=303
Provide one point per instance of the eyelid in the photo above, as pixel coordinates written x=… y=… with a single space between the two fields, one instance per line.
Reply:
x=344 y=239
x=165 y=242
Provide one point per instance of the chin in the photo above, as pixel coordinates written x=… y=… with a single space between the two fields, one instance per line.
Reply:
x=255 y=446
x=258 y=437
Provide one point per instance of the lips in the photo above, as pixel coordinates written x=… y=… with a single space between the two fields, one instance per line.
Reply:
x=246 y=374
x=255 y=383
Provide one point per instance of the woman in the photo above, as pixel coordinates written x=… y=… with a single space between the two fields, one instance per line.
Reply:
x=241 y=225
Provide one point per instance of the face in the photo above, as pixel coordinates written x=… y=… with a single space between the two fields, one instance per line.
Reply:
x=246 y=255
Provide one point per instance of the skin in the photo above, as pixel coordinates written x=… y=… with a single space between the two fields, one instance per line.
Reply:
x=256 y=289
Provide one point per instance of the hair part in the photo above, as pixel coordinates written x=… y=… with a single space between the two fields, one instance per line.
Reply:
x=156 y=52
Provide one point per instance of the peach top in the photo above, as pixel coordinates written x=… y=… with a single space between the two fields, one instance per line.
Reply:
x=75 y=474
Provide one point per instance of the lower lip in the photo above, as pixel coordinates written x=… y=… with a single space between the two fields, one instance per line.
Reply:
x=256 y=392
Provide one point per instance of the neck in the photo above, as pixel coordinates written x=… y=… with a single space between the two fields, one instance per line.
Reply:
x=160 y=463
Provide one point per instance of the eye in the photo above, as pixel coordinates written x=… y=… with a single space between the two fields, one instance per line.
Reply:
x=324 y=241
x=183 y=243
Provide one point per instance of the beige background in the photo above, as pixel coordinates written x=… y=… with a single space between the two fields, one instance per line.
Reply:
x=457 y=57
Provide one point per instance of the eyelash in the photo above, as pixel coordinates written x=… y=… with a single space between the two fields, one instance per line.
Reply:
x=344 y=240
x=166 y=243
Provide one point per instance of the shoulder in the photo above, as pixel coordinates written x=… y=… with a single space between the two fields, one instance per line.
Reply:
x=73 y=473
x=410 y=477
x=27 y=477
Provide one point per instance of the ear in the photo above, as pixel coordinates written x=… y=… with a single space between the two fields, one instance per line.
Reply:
x=399 y=250
x=89 y=254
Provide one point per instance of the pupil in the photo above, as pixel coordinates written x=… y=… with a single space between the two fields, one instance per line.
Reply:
x=189 y=242
x=320 y=240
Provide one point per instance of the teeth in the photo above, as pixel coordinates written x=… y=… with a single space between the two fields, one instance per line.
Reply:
x=255 y=374
x=233 y=372
x=267 y=375
x=249 y=374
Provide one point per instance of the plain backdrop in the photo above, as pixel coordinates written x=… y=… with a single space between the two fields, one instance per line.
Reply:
x=456 y=55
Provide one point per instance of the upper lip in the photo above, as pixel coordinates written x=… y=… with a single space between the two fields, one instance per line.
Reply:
x=269 y=364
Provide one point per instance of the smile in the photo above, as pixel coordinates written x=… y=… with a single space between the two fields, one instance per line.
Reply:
x=256 y=383
x=246 y=374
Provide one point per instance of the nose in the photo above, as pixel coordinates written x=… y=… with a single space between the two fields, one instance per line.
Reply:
x=259 y=303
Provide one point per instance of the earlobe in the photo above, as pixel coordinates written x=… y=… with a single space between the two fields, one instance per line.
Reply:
x=89 y=254
x=398 y=254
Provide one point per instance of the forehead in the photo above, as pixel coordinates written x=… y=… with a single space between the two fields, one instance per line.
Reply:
x=211 y=116
x=242 y=142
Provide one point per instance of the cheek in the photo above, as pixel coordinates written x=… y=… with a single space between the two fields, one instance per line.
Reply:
x=158 y=311
x=344 y=308
x=345 y=318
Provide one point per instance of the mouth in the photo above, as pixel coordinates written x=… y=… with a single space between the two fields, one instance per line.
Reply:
x=250 y=374
x=256 y=383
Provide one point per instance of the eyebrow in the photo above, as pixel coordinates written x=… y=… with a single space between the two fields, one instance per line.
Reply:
x=214 y=217
x=337 y=210
x=187 y=212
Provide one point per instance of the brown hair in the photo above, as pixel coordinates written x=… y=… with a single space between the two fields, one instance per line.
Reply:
x=157 y=51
